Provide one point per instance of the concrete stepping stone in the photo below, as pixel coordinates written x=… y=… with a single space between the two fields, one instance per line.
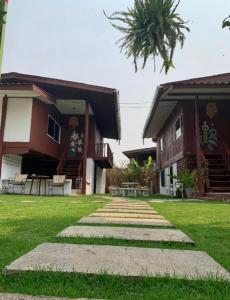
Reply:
x=26 y=297
x=129 y=203
x=126 y=215
x=27 y=201
x=127 y=221
x=125 y=210
x=117 y=260
x=125 y=233
x=129 y=206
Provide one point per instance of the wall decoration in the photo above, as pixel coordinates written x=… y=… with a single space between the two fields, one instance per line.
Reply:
x=211 y=110
x=209 y=137
x=76 y=141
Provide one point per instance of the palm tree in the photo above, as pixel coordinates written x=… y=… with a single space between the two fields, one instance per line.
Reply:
x=152 y=28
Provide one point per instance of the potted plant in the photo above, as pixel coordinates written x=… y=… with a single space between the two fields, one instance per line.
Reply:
x=186 y=179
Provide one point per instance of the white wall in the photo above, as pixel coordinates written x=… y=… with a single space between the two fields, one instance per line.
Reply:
x=100 y=181
x=165 y=190
x=18 y=120
x=89 y=176
x=11 y=165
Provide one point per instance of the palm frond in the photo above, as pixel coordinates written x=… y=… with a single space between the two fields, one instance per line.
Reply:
x=151 y=28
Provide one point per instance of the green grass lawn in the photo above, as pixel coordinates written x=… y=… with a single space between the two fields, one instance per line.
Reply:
x=23 y=226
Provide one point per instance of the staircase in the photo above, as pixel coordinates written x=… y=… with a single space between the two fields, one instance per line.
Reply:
x=71 y=168
x=219 y=174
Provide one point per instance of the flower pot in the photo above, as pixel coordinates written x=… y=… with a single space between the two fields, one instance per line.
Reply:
x=189 y=192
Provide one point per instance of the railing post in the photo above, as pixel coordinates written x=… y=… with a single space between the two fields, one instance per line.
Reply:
x=85 y=152
x=198 y=154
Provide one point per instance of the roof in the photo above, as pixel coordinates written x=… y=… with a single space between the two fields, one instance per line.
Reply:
x=137 y=152
x=168 y=95
x=104 y=101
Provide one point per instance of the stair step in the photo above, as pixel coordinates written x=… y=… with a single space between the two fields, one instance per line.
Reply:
x=221 y=189
x=220 y=184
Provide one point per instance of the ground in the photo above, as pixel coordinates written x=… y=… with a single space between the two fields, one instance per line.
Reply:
x=25 y=224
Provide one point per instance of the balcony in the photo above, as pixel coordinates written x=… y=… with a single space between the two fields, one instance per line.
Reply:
x=103 y=156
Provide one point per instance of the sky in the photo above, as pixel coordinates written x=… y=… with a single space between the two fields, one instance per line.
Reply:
x=72 y=40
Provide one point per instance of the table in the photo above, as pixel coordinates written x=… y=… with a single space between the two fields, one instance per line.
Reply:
x=130 y=184
x=39 y=178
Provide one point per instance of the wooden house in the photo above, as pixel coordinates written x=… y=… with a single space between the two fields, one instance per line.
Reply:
x=51 y=126
x=141 y=155
x=189 y=120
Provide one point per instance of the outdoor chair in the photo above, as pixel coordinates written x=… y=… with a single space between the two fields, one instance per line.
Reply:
x=58 y=181
x=115 y=191
x=132 y=192
x=19 y=180
x=145 y=191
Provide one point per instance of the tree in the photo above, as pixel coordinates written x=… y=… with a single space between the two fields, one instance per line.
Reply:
x=152 y=28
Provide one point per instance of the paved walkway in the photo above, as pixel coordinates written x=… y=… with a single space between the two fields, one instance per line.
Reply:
x=118 y=260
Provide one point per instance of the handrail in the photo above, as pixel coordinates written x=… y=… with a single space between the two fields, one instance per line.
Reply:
x=226 y=152
x=204 y=163
x=62 y=161
x=103 y=151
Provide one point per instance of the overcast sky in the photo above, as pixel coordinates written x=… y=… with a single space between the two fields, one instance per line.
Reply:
x=72 y=40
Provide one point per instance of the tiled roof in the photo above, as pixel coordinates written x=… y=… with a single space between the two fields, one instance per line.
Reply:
x=220 y=79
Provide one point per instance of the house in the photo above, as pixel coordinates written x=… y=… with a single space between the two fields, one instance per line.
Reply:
x=51 y=126
x=141 y=155
x=190 y=122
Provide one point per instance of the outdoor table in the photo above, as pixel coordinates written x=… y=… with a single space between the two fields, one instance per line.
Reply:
x=39 y=178
x=130 y=184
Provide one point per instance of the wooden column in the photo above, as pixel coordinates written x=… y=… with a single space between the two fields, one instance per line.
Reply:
x=198 y=153
x=2 y=129
x=86 y=143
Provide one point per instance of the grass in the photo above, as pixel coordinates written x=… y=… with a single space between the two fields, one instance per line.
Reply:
x=23 y=226
x=153 y=196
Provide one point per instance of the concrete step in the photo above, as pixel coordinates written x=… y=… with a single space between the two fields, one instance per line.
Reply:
x=117 y=260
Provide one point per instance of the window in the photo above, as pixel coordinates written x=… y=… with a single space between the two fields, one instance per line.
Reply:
x=171 y=174
x=178 y=128
x=162 y=144
x=163 y=178
x=54 y=129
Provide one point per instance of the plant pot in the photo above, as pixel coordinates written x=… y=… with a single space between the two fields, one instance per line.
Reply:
x=189 y=192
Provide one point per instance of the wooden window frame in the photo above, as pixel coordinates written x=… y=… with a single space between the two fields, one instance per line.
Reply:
x=162 y=144
x=175 y=137
x=161 y=176
x=59 y=126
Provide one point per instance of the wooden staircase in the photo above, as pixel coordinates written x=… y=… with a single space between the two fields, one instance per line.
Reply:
x=219 y=174
x=72 y=169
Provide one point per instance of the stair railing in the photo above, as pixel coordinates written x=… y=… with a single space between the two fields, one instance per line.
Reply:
x=225 y=151
x=204 y=172
x=62 y=161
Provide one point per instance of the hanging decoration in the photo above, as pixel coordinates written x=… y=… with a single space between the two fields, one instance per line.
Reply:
x=76 y=141
x=209 y=137
x=211 y=110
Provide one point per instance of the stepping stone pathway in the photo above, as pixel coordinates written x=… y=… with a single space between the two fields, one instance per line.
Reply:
x=136 y=213
x=126 y=233
x=126 y=215
x=25 y=297
x=125 y=221
x=117 y=260
x=125 y=210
